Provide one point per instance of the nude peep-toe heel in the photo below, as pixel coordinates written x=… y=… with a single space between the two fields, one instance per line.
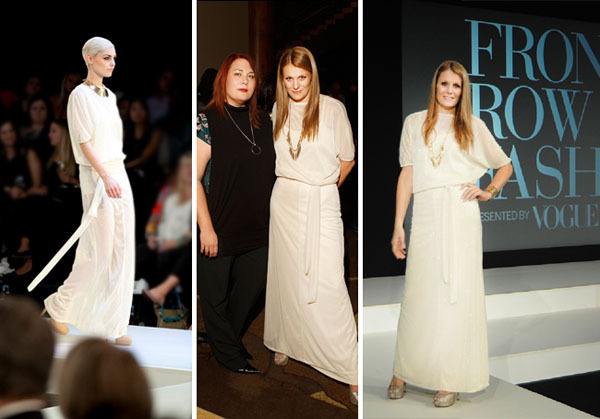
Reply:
x=57 y=327
x=396 y=391
x=444 y=400
x=281 y=360
x=124 y=340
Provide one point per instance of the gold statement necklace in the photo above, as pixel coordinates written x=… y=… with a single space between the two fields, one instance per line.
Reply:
x=294 y=151
x=100 y=91
x=436 y=159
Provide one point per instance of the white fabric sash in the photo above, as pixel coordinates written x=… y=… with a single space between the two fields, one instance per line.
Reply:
x=87 y=218
x=312 y=242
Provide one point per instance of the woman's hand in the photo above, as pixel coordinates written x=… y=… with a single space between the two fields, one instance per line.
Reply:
x=209 y=243
x=166 y=245
x=152 y=242
x=398 y=243
x=16 y=192
x=471 y=191
x=113 y=189
x=37 y=190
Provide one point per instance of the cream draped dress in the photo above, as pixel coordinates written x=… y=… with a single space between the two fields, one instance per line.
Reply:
x=308 y=315
x=442 y=331
x=96 y=297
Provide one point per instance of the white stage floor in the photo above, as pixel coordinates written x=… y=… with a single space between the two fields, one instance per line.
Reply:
x=542 y=323
x=166 y=357
x=388 y=290
x=501 y=400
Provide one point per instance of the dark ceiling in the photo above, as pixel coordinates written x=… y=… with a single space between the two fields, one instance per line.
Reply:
x=577 y=10
x=328 y=28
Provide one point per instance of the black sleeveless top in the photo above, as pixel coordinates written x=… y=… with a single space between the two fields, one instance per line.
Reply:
x=237 y=182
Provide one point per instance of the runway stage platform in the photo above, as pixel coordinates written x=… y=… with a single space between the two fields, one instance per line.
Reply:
x=165 y=356
x=543 y=322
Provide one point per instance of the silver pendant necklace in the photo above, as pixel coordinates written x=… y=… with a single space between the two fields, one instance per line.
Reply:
x=255 y=148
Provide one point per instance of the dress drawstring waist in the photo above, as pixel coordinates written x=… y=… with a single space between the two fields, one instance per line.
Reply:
x=449 y=241
x=312 y=242
x=312 y=233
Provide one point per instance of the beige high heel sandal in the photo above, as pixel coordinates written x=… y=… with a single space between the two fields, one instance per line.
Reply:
x=281 y=360
x=124 y=340
x=353 y=396
x=445 y=400
x=396 y=391
x=57 y=327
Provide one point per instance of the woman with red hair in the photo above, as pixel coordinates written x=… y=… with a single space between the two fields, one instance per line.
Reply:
x=236 y=172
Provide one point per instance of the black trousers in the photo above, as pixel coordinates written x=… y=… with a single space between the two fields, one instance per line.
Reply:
x=229 y=288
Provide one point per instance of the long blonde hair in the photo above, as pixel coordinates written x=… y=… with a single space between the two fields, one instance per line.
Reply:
x=463 y=130
x=63 y=153
x=302 y=58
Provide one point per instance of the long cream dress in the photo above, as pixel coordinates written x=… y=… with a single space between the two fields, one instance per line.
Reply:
x=442 y=331
x=308 y=314
x=96 y=296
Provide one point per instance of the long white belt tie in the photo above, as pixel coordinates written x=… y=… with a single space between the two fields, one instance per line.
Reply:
x=312 y=242
x=87 y=218
x=449 y=242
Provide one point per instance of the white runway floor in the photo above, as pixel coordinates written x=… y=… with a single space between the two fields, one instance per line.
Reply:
x=165 y=355
x=543 y=322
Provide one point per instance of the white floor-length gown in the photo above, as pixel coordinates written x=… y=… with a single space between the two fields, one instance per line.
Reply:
x=442 y=330
x=308 y=314
x=97 y=295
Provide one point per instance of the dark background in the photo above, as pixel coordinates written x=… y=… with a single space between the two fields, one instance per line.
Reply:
x=383 y=123
x=329 y=29
x=45 y=38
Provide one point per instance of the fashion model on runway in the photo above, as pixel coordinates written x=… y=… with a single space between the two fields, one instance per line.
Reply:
x=442 y=332
x=96 y=297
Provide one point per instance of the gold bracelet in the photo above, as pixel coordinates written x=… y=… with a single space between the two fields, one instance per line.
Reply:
x=492 y=190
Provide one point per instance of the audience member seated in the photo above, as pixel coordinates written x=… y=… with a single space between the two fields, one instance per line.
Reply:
x=21 y=187
x=100 y=381
x=62 y=177
x=35 y=133
x=26 y=353
x=165 y=259
x=160 y=104
x=32 y=88
x=140 y=144
x=59 y=101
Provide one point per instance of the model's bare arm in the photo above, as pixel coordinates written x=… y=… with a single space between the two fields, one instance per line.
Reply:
x=403 y=195
x=471 y=191
x=345 y=169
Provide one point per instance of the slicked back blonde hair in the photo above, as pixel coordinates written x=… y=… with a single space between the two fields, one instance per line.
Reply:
x=94 y=46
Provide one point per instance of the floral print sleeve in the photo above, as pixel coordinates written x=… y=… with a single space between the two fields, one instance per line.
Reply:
x=203 y=134
x=202 y=128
